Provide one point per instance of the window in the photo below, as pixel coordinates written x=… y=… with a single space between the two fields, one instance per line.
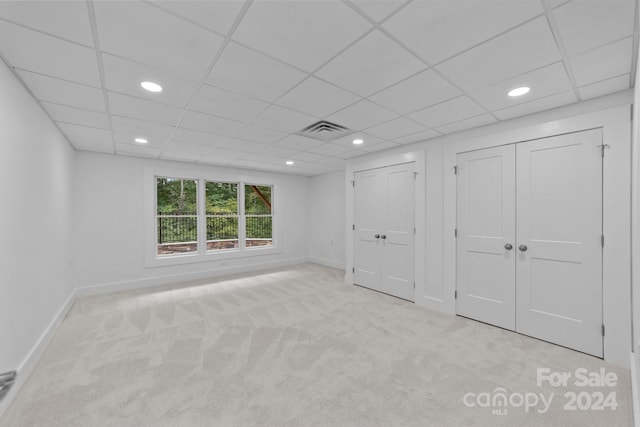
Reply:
x=201 y=217
x=222 y=215
x=176 y=215
x=257 y=213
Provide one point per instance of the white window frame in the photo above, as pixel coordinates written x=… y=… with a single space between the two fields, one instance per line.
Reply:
x=152 y=259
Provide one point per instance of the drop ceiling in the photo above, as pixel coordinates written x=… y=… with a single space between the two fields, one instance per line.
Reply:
x=241 y=79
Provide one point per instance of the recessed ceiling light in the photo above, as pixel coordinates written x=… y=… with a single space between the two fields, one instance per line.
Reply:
x=357 y=141
x=289 y=162
x=141 y=140
x=151 y=86
x=519 y=91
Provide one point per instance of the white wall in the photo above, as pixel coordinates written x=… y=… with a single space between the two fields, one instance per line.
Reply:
x=36 y=224
x=110 y=225
x=635 y=211
x=326 y=219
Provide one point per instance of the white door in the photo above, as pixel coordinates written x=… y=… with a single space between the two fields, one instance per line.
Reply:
x=559 y=229
x=486 y=236
x=397 y=232
x=368 y=200
x=384 y=230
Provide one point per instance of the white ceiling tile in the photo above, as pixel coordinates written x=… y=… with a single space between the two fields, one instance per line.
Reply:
x=216 y=15
x=282 y=152
x=77 y=116
x=416 y=137
x=221 y=156
x=385 y=145
x=126 y=130
x=395 y=128
x=351 y=154
x=315 y=97
x=603 y=63
x=378 y=9
x=87 y=138
x=253 y=74
x=330 y=149
x=189 y=148
x=347 y=141
x=541 y=104
x=66 y=19
x=447 y=112
x=259 y=134
x=125 y=77
x=155 y=37
x=48 y=55
x=241 y=145
x=417 y=92
x=142 y=109
x=481 y=120
x=207 y=123
x=543 y=82
x=226 y=104
x=304 y=34
x=283 y=119
x=437 y=30
x=352 y=68
x=202 y=138
x=362 y=115
x=332 y=161
x=308 y=157
x=63 y=92
x=605 y=86
x=180 y=156
x=588 y=24
x=557 y=3
x=298 y=142
x=526 y=48
x=138 y=150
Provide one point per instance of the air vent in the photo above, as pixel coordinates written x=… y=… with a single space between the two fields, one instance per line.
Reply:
x=6 y=381
x=325 y=131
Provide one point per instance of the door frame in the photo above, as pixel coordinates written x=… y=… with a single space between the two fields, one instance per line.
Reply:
x=385 y=160
x=616 y=267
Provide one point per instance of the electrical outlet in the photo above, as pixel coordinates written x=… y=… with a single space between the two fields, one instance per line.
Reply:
x=6 y=381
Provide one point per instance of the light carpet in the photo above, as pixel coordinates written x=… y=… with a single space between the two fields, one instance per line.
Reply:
x=297 y=347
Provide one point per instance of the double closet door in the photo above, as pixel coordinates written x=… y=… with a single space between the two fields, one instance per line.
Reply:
x=384 y=230
x=529 y=238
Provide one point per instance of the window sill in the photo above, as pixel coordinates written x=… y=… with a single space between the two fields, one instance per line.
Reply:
x=223 y=255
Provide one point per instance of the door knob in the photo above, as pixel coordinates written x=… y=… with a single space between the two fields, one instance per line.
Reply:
x=523 y=248
x=508 y=246
x=384 y=236
x=377 y=236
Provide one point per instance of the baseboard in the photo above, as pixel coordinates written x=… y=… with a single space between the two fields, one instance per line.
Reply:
x=183 y=277
x=327 y=262
x=31 y=360
x=635 y=391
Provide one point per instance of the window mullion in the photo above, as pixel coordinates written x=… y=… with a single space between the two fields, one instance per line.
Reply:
x=242 y=227
x=202 y=220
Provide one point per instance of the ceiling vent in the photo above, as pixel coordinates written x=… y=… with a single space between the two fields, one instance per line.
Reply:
x=325 y=131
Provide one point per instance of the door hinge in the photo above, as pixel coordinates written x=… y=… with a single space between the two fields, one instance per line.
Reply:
x=602 y=148
x=602 y=240
x=603 y=330
x=455 y=170
x=455 y=232
x=353 y=227
x=414 y=230
x=414 y=285
x=415 y=174
x=455 y=295
x=353 y=183
x=632 y=112
x=353 y=270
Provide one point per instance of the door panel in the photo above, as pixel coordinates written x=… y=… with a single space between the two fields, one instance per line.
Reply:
x=559 y=205
x=368 y=216
x=397 y=260
x=485 y=224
